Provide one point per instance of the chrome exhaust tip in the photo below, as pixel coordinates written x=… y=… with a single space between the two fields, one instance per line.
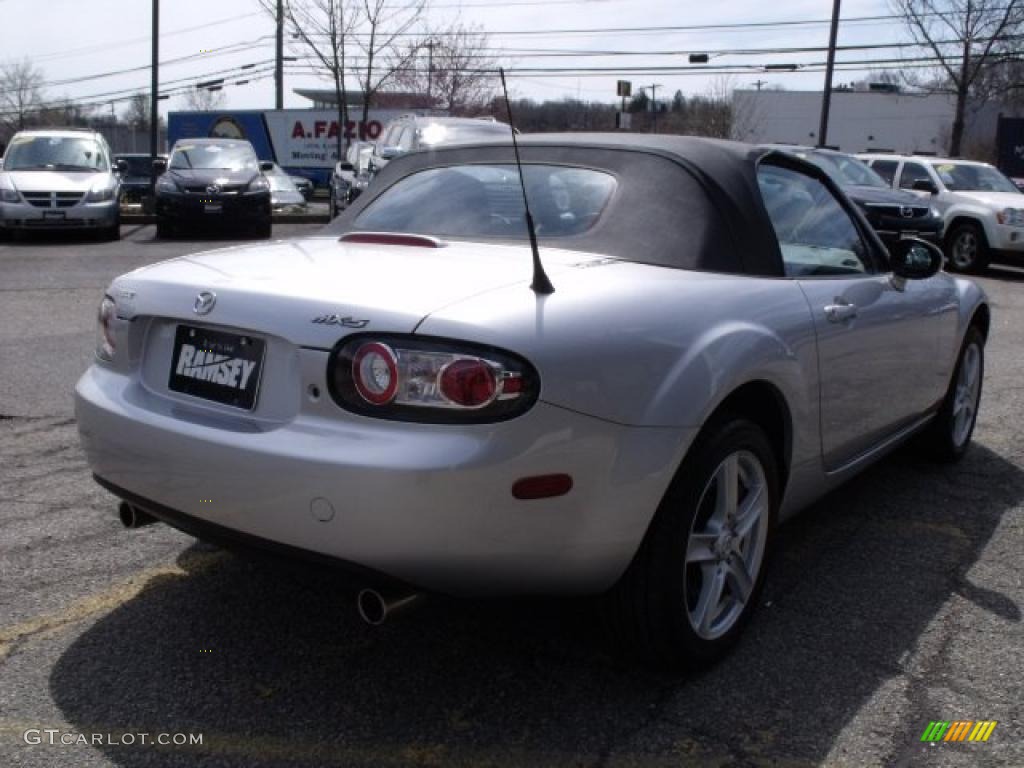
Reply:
x=375 y=608
x=133 y=517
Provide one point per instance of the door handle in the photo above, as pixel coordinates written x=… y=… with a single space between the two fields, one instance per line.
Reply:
x=840 y=312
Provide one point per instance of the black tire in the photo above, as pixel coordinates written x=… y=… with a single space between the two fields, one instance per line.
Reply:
x=111 y=233
x=332 y=206
x=265 y=230
x=967 y=248
x=6 y=235
x=947 y=440
x=650 y=611
x=163 y=230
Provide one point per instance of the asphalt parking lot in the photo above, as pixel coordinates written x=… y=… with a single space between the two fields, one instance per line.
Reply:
x=893 y=602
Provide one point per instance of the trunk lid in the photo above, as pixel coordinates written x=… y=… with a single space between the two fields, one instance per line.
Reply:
x=282 y=288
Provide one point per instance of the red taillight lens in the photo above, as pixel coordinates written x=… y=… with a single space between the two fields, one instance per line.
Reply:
x=106 y=343
x=430 y=380
x=469 y=382
x=375 y=373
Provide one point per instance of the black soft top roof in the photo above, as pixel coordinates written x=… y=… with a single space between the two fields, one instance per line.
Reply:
x=680 y=201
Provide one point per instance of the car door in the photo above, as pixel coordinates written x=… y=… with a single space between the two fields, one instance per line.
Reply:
x=878 y=336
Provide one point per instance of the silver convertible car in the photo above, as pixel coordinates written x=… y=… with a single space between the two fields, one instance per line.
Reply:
x=404 y=396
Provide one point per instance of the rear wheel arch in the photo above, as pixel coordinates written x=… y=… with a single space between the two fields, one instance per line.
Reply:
x=982 y=320
x=764 y=404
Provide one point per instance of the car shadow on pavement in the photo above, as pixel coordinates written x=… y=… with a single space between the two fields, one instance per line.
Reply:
x=39 y=239
x=272 y=666
x=1006 y=273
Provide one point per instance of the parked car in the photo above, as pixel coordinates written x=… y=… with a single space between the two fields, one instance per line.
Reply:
x=304 y=185
x=284 y=195
x=894 y=213
x=213 y=183
x=136 y=178
x=59 y=178
x=350 y=176
x=410 y=133
x=408 y=399
x=982 y=209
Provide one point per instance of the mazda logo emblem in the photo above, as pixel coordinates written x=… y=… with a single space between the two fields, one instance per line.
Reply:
x=204 y=303
x=906 y=212
x=213 y=189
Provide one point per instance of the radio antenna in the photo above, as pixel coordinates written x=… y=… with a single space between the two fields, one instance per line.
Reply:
x=541 y=284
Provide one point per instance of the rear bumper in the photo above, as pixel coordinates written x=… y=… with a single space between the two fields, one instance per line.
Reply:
x=230 y=538
x=428 y=505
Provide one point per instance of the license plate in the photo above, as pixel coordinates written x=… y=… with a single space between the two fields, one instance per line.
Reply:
x=53 y=214
x=213 y=208
x=218 y=366
x=905 y=235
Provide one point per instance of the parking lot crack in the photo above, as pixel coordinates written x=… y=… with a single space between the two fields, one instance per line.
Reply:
x=15 y=637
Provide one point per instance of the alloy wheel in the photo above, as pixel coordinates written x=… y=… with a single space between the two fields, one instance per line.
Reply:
x=967 y=393
x=726 y=544
x=965 y=250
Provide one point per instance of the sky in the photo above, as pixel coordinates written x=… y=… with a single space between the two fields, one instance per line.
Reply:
x=71 y=39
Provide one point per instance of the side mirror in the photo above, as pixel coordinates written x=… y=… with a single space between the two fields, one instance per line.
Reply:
x=915 y=259
x=924 y=185
x=121 y=166
x=389 y=153
x=266 y=166
x=159 y=166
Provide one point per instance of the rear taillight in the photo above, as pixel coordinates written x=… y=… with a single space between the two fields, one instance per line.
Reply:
x=105 y=342
x=469 y=382
x=430 y=380
x=375 y=373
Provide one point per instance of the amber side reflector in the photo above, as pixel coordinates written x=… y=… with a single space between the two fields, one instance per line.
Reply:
x=392 y=238
x=541 y=486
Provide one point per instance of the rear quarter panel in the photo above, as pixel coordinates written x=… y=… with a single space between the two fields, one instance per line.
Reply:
x=651 y=346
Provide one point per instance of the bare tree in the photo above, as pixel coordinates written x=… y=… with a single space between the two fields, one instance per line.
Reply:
x=21 y=93
x=202 y=99
x=966 y=37
x=383 y=25
x=137 y=113
x=453 y=68
x=324 y=29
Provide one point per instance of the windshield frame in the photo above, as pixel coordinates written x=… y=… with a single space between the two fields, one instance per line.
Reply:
x=830 y=163
x=982 y=169
x=20 y=144
x=204 y=149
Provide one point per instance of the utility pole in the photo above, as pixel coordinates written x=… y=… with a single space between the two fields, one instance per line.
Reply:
x=759 y=83
x=154 y=93
x=430 y=73
x=827 y=95
x=279 y=63
x=654 y=104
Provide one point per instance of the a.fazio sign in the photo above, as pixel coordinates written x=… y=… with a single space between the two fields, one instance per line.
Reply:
x=302 y=140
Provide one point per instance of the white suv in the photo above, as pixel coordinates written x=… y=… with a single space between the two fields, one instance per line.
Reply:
x=59 y=179
x=982 y=209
